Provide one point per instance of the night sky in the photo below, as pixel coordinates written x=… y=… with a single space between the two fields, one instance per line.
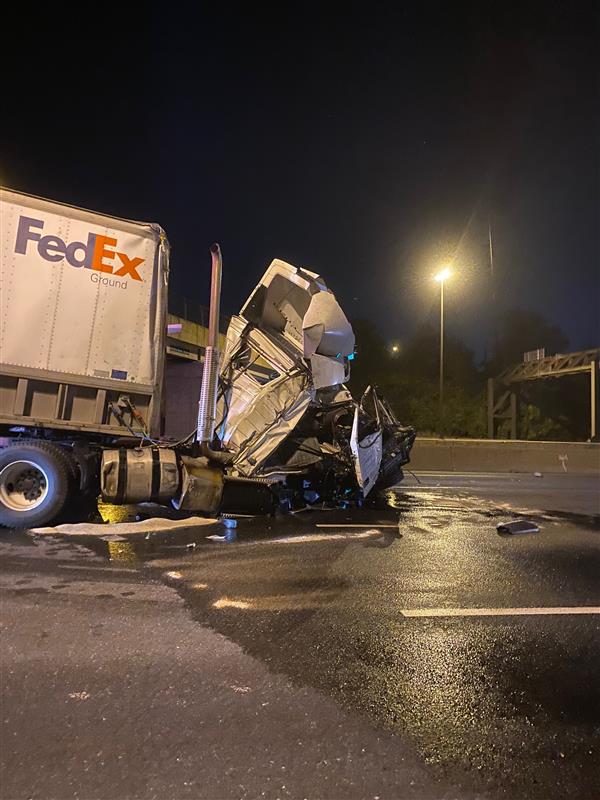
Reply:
x=369 y=145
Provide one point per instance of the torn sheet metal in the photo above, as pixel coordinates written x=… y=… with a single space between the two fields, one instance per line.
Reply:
x=327 y=371
x=326 y=331
x=257 y=445
x=367 y=455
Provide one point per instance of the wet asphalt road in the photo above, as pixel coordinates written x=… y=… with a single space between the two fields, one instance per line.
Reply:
x=490 y=706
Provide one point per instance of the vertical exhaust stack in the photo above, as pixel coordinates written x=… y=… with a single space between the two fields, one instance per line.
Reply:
x=207 y=407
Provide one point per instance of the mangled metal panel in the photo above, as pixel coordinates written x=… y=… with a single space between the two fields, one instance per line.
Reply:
x=293 y=328
x=325 y=329
x=296 y=304
x=258 y=407
x=281 y=299
x=283 y=408
x=258 y=446
x=367 y=454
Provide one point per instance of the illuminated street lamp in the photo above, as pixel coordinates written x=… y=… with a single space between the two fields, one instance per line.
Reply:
x=441 y=277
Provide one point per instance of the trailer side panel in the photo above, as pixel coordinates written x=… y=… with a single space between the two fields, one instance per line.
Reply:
x=83 y=314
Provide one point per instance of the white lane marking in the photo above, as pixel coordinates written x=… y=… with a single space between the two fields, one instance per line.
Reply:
x=498 y=612
x=368 y=525
x=432 y=473
x=97 y=569
x=316 y=537
x=225 y=602
x=321 y=537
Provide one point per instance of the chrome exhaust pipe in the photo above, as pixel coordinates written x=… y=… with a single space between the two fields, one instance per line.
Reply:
x=207 y=406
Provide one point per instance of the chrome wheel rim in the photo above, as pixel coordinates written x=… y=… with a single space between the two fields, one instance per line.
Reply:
x=24 y=485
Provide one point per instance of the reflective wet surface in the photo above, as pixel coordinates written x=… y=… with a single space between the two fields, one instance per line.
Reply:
x=501 y=704
x=498 y=705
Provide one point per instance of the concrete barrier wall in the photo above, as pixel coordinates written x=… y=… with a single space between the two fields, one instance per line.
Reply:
x=499 y=455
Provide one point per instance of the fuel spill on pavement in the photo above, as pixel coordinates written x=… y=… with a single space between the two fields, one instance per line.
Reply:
x=504 y=704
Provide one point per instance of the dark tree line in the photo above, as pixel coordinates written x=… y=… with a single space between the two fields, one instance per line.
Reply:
x=556 y=409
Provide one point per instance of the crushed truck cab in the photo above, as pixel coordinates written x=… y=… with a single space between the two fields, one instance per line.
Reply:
x=284 y=412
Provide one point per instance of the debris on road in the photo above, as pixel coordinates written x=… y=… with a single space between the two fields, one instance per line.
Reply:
x=79 y=695
x=517 y=527
x=228 y=536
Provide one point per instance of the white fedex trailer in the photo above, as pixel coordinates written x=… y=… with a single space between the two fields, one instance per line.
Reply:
x=82 y=323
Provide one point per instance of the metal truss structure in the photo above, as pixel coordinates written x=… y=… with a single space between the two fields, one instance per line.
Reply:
x=503 y=399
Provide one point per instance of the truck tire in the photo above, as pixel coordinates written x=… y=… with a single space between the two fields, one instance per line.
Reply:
x=35 y=482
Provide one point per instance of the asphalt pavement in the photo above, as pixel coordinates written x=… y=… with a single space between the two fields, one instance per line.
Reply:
x=401 y=650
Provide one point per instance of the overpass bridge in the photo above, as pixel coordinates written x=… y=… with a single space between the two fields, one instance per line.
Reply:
x=503 y=392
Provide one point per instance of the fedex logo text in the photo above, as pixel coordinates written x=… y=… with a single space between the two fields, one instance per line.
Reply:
x=94 y=254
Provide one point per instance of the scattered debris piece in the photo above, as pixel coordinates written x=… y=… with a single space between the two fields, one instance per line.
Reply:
x=230 y=536
x=516 y=527
x=79 y=695
x=241 y=689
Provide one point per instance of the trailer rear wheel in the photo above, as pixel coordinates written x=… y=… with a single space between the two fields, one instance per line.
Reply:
x=35 y=479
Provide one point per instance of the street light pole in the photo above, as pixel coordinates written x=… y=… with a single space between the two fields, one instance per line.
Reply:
x=441 y=353
x=440 y=278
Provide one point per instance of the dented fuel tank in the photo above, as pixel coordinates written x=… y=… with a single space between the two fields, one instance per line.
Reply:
x=135 y=475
